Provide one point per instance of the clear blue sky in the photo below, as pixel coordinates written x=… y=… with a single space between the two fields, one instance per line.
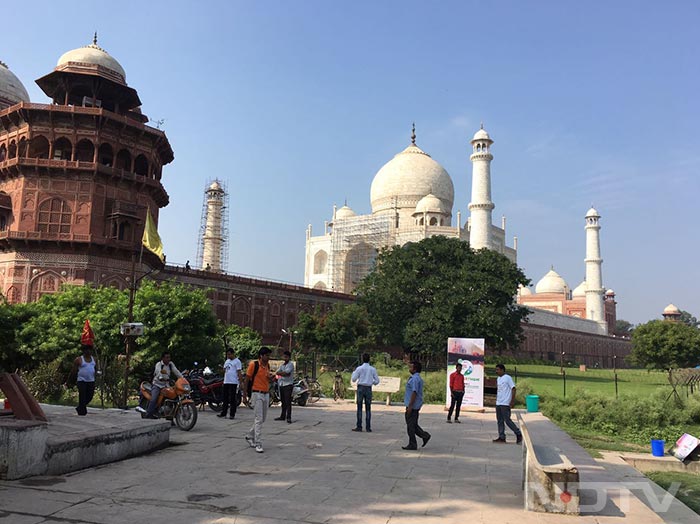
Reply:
x=297 y=104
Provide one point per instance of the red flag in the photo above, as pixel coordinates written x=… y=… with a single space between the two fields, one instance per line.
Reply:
x=87 y=337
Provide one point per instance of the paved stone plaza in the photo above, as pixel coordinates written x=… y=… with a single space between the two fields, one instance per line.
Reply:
x=313 y=471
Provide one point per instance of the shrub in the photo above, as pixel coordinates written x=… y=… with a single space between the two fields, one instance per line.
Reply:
x=45 y=382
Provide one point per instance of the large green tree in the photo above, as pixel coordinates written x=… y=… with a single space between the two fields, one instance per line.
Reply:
x=689 y=319
x=419 y=294
x=343 y=329
x=661 y=344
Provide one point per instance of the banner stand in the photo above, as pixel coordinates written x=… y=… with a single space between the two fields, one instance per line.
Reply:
x=470 y=353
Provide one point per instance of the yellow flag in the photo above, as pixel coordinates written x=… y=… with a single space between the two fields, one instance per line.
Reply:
x=151 y=239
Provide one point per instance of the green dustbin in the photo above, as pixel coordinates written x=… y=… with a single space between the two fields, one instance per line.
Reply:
x=533 y=403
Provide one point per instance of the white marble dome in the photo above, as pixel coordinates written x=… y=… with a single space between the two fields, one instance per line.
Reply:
x=552 y=282
x=524 y=290
x=580 y=290
x=407 y=178
x=671 y=310
x=93 y=55
x=481 y=134
x=591 y=213
x=431 y=204
x=11 y=89
x=344 y=212
x=214 y=186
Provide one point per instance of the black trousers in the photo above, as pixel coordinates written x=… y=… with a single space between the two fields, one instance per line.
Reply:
x=456 y=404
x=286 y=398
x=86 y=390
x=230 y=391
x=414 y=429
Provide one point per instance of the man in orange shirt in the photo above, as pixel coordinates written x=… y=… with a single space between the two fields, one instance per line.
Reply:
x=457 y=392
x=257 y=378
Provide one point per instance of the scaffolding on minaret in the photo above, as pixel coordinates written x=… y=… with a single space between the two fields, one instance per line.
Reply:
x=212 y=244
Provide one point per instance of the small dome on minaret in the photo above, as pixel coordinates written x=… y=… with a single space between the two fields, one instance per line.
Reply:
x=672 y=313
x=481 y=134
x=92 y=55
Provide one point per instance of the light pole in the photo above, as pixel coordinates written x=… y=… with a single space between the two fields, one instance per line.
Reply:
x=290 y=333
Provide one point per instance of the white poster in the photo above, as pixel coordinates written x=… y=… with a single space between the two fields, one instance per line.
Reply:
x=470 y=353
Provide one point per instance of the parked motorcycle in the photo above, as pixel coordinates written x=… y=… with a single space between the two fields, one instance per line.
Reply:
x=207 y=388
x=300 y=392
x=174 y=403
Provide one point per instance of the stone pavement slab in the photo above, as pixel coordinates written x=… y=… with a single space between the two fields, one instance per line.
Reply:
x=312 y=472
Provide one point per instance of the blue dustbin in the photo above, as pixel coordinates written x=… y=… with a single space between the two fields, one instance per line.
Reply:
x=657 y=447
x=533 y=403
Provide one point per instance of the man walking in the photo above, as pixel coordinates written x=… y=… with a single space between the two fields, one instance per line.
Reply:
x=286 y=384
x=84 y=369
x=232 y=379
x=456 y=392
x=366 y=377
x=413 y=400
x=258 y=386
x=162 y=375
x=505 y=399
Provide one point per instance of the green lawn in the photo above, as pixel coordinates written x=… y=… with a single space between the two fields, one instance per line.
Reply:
x=547 y=379
x=689 y=492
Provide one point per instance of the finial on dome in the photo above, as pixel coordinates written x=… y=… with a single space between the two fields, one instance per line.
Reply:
x=413 y=134
x=94 y=39
x=482 y=125
x=346 y=201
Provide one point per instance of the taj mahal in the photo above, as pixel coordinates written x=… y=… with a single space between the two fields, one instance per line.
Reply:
x=412 y=197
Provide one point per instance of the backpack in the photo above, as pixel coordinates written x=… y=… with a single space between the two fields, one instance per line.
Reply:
x=249 y=384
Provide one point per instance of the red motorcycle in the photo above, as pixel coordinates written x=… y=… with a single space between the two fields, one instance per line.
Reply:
x=207 y=388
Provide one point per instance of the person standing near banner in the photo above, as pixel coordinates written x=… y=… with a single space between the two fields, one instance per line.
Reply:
x=456 y=392
x=413 y=400
x=84 y=370
x=505 y=400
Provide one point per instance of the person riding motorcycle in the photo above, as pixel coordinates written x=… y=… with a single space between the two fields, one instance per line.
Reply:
x=162 y=374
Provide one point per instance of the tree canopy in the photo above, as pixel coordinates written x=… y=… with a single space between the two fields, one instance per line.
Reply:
x=689 y=319
x=344 y=329
x=623 y=327
x=419 y=294
x=661 y=344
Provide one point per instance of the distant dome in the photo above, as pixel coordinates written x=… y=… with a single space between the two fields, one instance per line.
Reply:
x=592 y=213
x=11 y=89
x=610 y=293
x=403 y=181
x=671 y=310
x=580 y=290
x=431 y=204
x=91 y=55
x=481 y=134
x=344 y=212
x=552 y=282
x=215 y=186
x=524 y=290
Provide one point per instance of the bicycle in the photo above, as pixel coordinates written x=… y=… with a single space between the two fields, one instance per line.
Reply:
x=315 y=391
x=338 y=387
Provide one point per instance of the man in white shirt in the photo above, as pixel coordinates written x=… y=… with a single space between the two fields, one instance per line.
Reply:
x=366 y=377
x=505 y=399
x=232 y=378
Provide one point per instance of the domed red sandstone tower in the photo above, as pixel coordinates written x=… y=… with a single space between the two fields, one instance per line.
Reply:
x=76 y=177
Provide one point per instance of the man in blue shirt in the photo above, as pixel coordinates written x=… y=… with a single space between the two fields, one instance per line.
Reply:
x=413 y=400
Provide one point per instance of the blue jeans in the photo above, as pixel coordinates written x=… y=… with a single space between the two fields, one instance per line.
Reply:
x=364 y=394
x=153 y=404
x=503 y=419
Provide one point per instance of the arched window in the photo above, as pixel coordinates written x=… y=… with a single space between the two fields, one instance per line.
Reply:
x=433 y=221
x=85 y=151
x=3 y=153
x=421 y=222
x=241 y=312
x=105 y=155
x=124 y=231
x=320 y=285
x=123 y=160
x=320 y=261
x=478 y=148
x=13 y=150
x=23 y=147
x=62 y=149
x=39 y=147
x=54 y=216
x=141 y=165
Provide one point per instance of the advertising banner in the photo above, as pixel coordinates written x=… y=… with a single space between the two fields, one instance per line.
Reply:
x=470 y=353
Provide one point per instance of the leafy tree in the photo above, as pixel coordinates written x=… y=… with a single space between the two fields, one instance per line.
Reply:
x=245 y=341
x=622 y=327
x=661 y=344
x=689 y=319
x=344 y=329
x=421 y=293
